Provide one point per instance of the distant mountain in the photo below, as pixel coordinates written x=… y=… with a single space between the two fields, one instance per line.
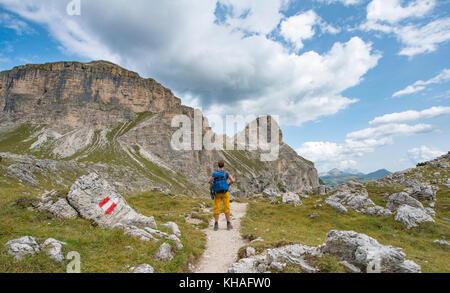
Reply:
x=335 y=176
x=378 y=174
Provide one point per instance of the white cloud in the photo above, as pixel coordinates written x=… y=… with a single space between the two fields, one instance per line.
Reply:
x=261 y=16
x=389 y=130
x=411 y=115
x=425 y=39
x=345 y=2
x=181 y=44
x=420 y=85
x=392 y=11
x=11 y=22
x=389 y=17
x=328 y=155
x=299 y=27
x=423 y=154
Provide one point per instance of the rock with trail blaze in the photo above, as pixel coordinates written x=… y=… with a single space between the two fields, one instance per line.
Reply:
x=367 y=254
x=164 y=252
x=53 y=248
x=411 y=217
x=95 y=199
x=21 y=247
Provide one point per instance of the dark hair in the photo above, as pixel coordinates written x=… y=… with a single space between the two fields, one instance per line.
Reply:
x=221 y=163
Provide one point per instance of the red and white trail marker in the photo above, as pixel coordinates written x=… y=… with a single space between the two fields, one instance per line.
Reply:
x=108 y=205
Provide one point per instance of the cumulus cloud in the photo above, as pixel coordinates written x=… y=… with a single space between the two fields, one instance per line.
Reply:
x=420 y=85
x=221 y=65
x=329 y=154
x=423 y=154
x=411 y=115
x=391 y=17
x=392 y=11
x=300 y=27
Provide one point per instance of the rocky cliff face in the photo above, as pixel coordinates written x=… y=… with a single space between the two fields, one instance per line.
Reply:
x=99 y=116
x=76 y=94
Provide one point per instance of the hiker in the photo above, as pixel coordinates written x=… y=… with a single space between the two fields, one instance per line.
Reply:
x=220 y=186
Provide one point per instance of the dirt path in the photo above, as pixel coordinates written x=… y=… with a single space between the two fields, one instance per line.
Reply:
x=222 y=246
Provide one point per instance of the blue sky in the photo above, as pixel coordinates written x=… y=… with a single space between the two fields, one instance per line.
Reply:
x=327 y=68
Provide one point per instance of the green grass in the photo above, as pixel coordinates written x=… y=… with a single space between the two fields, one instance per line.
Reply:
x=292 y=225
x=101 y=250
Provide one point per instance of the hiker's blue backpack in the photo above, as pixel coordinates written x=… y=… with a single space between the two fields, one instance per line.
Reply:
x=220 y=182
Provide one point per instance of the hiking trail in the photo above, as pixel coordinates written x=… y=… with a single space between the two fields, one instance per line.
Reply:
x=222 y=246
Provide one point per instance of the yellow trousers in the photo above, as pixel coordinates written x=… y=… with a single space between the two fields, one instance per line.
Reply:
x=218 y=199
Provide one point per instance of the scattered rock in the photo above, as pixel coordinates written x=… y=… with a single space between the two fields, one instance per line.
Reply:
x=164 y=252
x=378 y=211
x=412 y=217
x=157 y=232
x=174 y=227
x=250 y=251
x=245 y=265
x=138 y=233
x=259 y=239
x=337 y=206
x=291 y=198
x=21 y=247
x=95 y=199
x=177 y=241
x=442 y=242
x=349 y=267
x=144 y=269
x=53 y=248
x=364 y=252
x=402 y=198
x=315 y=215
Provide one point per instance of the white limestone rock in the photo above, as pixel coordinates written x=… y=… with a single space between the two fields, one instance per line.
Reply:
x=21 y=247
x=366 y=253
x=164 y=252
x=411 y=217
x=87 y=194
x=53 y=248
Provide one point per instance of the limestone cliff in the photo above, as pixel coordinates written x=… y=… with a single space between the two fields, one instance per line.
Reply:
x=76 y=94
x=99 y=116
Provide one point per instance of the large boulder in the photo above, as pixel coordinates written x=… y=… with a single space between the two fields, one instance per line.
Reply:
x=402 y=198
x=411 y=217
x=367 y=254
x=95 y=199
x=291 y=198
x=21 y=247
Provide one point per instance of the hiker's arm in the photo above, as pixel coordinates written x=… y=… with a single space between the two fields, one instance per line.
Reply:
x=231 y=179
x=210 y=178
